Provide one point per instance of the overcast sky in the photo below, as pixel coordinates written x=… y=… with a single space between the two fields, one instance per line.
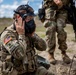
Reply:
x=7 y=6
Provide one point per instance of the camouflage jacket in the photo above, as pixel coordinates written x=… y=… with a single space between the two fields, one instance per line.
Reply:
x=22 y=49
x=50 y=3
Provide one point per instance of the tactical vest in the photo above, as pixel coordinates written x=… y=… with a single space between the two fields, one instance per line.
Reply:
x=29 y=61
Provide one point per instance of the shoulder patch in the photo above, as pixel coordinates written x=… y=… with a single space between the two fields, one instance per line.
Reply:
x=6 y=40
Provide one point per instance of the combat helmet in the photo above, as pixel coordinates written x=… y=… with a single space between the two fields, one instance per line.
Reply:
x=29 y=11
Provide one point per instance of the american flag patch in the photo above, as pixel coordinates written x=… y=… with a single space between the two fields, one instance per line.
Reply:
x=6 y=40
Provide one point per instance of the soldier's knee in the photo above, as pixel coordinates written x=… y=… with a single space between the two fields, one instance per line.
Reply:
x=48 y=23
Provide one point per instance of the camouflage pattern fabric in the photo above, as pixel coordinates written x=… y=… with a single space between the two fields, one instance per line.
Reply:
x=47 y=3
x=19 y=54
x=62 y=35
x=55 y=22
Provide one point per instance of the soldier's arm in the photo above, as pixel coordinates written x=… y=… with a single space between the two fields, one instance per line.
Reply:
x=13 y=45
x=39 y=43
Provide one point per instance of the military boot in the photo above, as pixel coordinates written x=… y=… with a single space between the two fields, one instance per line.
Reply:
x=51 y=58
x=66 y=58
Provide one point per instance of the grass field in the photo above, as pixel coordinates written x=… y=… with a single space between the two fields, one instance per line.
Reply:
x=4 y=22
x=40 y=30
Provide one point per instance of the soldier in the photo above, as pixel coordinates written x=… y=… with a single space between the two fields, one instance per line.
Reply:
x=55 y=18
x=18 y=45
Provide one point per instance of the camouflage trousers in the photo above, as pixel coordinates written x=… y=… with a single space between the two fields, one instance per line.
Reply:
x=39 y=71
x=56 y=26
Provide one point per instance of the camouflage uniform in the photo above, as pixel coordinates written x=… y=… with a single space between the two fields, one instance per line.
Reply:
x=18 y=53
x=55 y=19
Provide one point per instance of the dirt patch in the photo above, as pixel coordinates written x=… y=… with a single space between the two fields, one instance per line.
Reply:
x=62 y=68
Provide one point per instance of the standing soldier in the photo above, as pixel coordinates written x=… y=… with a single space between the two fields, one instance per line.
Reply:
x=18 y=45
x=55 y=18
